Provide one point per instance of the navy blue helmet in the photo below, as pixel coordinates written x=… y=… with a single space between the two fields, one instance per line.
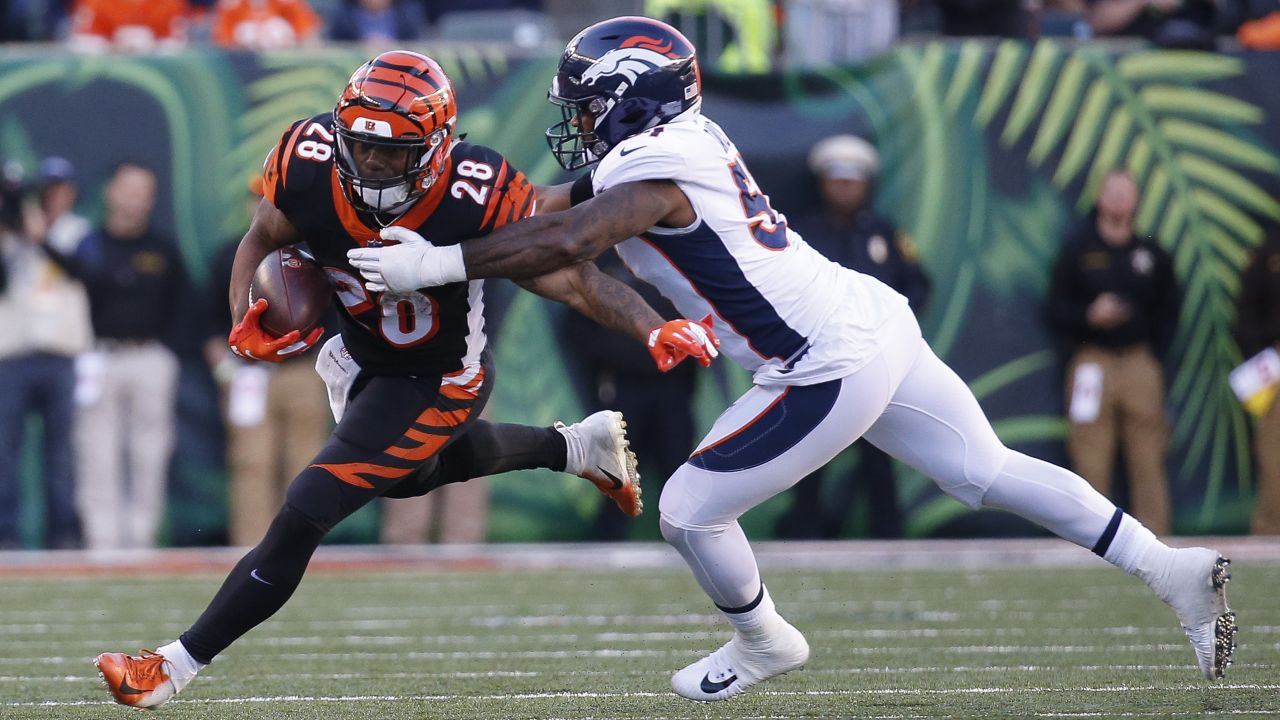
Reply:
x=622 y=76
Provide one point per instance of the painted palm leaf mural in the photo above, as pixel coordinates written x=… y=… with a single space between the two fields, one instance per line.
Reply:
x=993 y=151
x=1191 y=150
x=990 y=152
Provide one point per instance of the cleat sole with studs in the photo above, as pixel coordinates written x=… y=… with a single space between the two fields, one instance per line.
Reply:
x=1224 y=628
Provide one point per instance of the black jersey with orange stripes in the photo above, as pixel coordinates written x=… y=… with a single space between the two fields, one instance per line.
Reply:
x=433 y=331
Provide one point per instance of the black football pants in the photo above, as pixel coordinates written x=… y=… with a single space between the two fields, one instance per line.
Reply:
x=400 y=437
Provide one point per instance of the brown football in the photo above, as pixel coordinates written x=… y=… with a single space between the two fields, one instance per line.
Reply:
x=296 y=289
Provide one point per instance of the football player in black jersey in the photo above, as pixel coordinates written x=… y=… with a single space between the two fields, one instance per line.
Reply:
x=409 y=373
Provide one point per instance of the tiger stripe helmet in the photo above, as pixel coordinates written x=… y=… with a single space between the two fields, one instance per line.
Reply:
x=402 y=103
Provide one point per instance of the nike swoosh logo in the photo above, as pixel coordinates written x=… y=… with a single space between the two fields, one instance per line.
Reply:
x=617 y=481
x=628 y=151
x=712 y=688
x=254 y=574
x=127 y=689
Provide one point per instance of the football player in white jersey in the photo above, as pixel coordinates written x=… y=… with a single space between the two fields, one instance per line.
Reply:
x=835 y=354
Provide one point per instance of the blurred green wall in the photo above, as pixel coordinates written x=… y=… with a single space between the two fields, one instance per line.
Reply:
x=990 y=151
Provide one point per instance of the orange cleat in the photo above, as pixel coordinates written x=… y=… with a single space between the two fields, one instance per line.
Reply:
x=599 y=451
x=139 y=681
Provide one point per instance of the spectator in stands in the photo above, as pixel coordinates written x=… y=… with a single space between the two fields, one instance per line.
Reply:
x=1171 y=23
x=997 y=18
x=129 y=25
x=1060 y=18
x=1260 y=33
x=736 y=36
x=437 y=9
x=822 y=33
x=377 y=22
x=135 y=278
x=277 y=414
x=1257 y=328
x=1113 y=303
x=264 y=25
x=847 y=230
x=15 y=21
x=45 y=319
x=64 y=229
x=658 y=406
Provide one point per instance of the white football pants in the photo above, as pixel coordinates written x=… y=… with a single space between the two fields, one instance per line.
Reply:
x=907 y=402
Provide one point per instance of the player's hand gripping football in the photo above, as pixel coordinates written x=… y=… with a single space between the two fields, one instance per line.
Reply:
x=411 y=264
x=676 y=340
x=249 y=340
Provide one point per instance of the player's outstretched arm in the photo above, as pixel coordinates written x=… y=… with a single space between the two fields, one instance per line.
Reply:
x=544 y=243
x=531 y=247
x=606 y=300
x=614 y=305
x=554 y=198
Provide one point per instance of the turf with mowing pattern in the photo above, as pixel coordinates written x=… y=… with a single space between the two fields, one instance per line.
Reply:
x=904 y=643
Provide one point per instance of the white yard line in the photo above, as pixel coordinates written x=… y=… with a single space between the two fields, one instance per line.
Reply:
x=246 y=651
x=503 y=697
x=216 y=675
x=456 y=560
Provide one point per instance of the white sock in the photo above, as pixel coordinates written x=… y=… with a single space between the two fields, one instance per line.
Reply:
x=1138 y=551
x=184 y=667
x=575 y=457
x=754 y=623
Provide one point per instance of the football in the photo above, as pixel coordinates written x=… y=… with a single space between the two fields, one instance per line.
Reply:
x=296 y=289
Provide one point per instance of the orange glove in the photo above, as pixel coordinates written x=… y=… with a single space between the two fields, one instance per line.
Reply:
x=249 y=340
x=676 y=340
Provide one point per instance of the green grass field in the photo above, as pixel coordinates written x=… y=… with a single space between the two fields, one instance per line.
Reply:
x=1023 y=642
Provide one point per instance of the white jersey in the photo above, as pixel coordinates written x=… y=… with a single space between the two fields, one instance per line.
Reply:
x=780 y=308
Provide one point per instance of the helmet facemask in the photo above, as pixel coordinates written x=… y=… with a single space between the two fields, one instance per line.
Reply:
x=572 y=146
x=411 y=167
x=394 y=125
x=628 y=74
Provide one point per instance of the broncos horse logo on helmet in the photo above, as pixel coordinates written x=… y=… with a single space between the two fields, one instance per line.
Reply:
x=394 y=123
x=616 y=79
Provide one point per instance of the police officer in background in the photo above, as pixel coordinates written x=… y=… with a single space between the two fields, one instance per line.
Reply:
x=847 y=230
x=1113 y=303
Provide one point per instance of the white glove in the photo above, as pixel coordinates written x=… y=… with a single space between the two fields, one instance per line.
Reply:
x=413 y=263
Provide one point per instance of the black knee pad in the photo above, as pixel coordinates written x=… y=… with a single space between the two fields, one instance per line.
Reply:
x=287 y=548
x=319 y=499
x=291 y=522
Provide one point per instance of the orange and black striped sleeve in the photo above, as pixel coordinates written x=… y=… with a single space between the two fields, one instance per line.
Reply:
x=280 y=169
x=512 y=200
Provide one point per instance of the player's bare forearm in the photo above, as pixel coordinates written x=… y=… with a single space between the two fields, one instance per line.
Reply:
x=546 y=243
x=614 y=304
x=607 y=301
x=553 y=198
x=270 y=230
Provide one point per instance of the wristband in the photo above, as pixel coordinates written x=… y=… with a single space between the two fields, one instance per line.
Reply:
x=582 y=190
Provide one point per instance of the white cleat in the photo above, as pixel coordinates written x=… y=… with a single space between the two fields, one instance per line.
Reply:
x=736 y=666
x=1195 y=586
x=599 y=452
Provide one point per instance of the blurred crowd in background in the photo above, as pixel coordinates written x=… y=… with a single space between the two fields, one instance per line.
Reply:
x=746 y=35
x=94 y=315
